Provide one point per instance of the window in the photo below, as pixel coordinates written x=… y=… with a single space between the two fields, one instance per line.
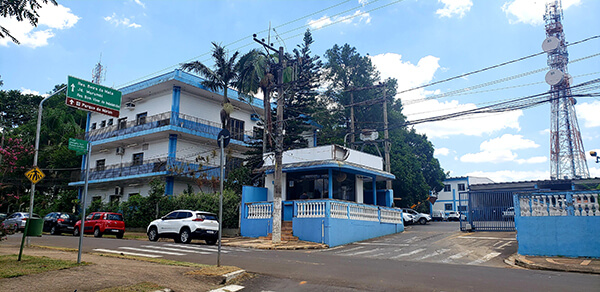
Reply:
x=447 y=188
x=140 y=119
x=103 y=124
x=462 y=208
x=138 y=159
x=183 y=215
x=93 y=127
x=461 y=187
x=114 y=199
x=100 y=164
x=97 y=216
x=110 y=122
x=237 y=129
x=448 y=207
x=122 y=123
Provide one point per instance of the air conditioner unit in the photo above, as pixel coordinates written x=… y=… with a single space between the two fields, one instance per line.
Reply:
x=130 y=105
x=118 y=191
x=120 y=151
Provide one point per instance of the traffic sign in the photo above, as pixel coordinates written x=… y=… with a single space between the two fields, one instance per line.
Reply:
x=225 y=136
x=35 y=175
x=93 y=97
x=80 y=146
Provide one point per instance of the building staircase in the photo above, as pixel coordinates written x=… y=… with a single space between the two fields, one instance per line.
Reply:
x=287 y=232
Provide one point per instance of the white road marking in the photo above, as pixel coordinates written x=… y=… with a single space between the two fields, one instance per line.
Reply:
x=484 y=259
x=504 y=245
x=456 y=256
x=350 y=249
x=411 y=239
x=382 y=244
x=152 y=251
x=363 y=252
x=176 y=249
x=408 y=253
x=127 y=253
x=435 y=253
x=195 y=247
x=230 y=288
x=483 y=237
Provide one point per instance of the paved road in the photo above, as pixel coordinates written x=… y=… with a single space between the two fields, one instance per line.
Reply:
x=344 y=269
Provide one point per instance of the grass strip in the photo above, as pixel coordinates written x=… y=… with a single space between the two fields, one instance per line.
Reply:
x=28 y=265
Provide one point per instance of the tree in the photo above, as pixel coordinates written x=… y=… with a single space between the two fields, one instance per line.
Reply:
x=21 y=10
x=254 y=69
x=222 y=77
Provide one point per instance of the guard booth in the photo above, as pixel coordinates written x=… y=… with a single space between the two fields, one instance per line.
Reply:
x=487 y=211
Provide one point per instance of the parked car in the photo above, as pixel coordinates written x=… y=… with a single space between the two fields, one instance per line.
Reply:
x=58 y=223
x=99 y=223
x=2 y=216
x=407 y=219
x=453 y=216
x=185 y=225
x=16 y=221
x=438 y=215
x=422 y=218
x=509 y=213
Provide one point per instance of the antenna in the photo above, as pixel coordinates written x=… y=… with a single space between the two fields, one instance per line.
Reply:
x=99 y=72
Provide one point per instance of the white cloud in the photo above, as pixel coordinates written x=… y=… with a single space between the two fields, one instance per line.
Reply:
x=545 y=132
x=594 y=171
x=29 y=91
x=357 y=18
x=500 y=149
x=530 y=11
x=138 y=2
x=410 y=75
x=454 y=7
x=51 y=18
x=588 y=113
x=124 y=21
x=441 y=152
x=512 y=175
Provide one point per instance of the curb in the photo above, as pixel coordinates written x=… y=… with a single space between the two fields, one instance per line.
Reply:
x=232 y=276
x=525 y=263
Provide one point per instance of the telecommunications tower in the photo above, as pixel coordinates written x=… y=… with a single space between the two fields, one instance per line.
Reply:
x=567 y=157
x=99 y=72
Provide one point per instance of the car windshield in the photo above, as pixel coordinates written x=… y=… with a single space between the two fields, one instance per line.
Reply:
x=116 y=217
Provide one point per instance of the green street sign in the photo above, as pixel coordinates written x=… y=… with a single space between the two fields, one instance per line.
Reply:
x=80 y=146
x=93 y=97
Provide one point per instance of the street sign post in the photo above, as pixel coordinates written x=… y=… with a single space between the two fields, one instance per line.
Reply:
x=93 y=97
x=77 y=145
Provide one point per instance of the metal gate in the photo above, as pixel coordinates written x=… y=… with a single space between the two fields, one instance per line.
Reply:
x=486 y=211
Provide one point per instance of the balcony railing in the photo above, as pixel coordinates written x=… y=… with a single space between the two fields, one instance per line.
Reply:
x=559 y=204
x=164 y=119
x=173 y=166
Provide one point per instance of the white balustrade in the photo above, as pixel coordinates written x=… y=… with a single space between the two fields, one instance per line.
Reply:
x=584 y=204
x=311 y=209
x=391 y=216
x=339 y=210
x=524 y=206
x=260 y=211
x=364 y=213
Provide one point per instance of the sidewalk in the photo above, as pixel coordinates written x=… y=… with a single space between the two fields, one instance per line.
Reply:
x=264 y=243
x=580 y=265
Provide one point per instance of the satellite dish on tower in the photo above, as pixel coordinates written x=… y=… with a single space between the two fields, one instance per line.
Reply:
x=550 y=44
x=554 y=77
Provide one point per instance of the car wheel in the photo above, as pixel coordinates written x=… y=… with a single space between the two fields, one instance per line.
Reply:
x=120 y=234
x=184 y=236
x=76 y=231
x=153 y=234
x=53 y=230
x=211 y=242
x=422 y=221
x=97 y=232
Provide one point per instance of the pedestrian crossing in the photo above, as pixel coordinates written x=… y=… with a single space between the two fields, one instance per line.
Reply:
x=457 y=250
x=159 y=250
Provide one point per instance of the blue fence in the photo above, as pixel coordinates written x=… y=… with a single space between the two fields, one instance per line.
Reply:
x=558 y=224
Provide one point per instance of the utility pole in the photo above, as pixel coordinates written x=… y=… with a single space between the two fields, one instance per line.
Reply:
x=276 y=234
x=352 y=127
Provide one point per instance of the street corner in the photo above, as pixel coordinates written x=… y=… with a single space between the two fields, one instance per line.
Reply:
x=565 y=264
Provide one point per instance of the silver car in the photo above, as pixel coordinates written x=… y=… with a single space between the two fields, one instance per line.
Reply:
x=16 y=221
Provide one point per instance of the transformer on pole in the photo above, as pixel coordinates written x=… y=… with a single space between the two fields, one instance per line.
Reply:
x=567 y=157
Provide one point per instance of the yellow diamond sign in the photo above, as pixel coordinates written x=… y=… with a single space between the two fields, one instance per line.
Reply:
x=35 y=175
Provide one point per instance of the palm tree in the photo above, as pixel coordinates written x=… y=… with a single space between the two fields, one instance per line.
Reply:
x=222 y=77
x=254 y=70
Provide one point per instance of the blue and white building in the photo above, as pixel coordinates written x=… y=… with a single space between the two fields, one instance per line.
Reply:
x=449 y=197
x=329 y=196
x=167 y=129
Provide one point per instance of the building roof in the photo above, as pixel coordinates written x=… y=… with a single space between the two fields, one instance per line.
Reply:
x=562 y=184
x=329 y=164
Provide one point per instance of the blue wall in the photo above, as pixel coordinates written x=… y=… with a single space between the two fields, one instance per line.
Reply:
x=254 y=227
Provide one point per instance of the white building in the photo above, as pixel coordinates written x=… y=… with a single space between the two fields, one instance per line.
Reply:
x=167 y=129
x=448 y=198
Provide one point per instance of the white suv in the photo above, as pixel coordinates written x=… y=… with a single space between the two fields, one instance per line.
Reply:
x=422 y=218
x=185 y=225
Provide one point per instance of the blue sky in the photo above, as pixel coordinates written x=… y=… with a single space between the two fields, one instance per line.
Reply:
x=417 y=42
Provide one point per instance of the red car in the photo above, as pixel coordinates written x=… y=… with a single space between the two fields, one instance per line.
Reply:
x=100 y=223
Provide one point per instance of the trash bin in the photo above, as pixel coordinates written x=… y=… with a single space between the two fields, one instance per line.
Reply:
x=35 y=226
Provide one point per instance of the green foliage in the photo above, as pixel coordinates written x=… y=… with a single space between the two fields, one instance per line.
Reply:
x=21 y=11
